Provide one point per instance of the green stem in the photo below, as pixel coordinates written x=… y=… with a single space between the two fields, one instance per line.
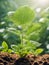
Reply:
x=21 y=36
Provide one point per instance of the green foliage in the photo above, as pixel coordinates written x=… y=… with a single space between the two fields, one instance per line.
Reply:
x=20 y=49
x=12 y=38
x=25 y=49
x=4 y=48
x=5 y=7
x=32 y=29
x=23 y=15
x=38 y=51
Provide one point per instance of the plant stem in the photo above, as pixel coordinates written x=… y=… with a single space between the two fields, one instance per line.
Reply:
x=21 y=36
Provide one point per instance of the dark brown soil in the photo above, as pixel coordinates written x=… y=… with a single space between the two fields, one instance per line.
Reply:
x=22 y=61
x=7 y=59
x=30 y=59
x=38 y=60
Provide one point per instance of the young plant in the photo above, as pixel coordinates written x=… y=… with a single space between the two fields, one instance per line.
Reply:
x=4 y=48
x=23 y=18
x=20 y=49
x=26 y=48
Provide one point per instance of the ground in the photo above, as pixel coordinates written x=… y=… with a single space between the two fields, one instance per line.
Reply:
x=30 y=59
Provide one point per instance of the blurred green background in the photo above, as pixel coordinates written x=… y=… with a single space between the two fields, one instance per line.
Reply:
x=8 y=29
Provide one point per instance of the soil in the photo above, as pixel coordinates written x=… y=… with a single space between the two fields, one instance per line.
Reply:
x=30 y=59
x=8 y=59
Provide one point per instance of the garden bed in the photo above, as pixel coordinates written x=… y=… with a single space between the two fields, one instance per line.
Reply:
x=30 y=59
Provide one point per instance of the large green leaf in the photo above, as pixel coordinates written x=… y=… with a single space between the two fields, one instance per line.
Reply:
x=23 y=15
x=34 y=27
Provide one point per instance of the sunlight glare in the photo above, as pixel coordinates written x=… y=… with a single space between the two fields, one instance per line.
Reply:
x=43 y=2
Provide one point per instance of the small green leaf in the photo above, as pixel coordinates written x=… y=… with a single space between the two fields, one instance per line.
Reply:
x=14 y=48
x=34 y=27
x=10 y=50
x=5 y=46
x=38 y=51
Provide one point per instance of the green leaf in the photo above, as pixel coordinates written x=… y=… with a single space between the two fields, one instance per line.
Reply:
x=32 y=28
x=10 y=50
x=11 y=38
x=23 y=15
x=38 y=51
x=5 y=46
x=15 y=48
